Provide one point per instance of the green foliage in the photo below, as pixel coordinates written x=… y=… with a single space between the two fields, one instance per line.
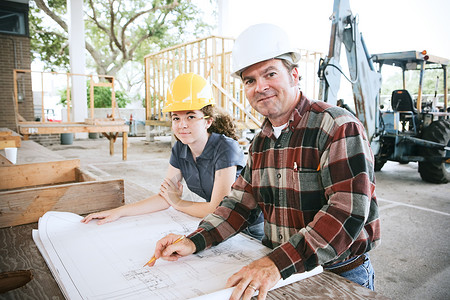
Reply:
x=102 y=97
x=395 y=81
x=48 y=44
x=116 y=31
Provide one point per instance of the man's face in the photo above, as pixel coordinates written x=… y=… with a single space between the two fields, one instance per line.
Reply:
x=271 y=89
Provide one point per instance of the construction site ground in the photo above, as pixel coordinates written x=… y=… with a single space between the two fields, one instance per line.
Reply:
x=412 y=261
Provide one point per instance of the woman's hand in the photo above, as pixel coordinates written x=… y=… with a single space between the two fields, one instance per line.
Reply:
x=171 y=192
x=104 y=216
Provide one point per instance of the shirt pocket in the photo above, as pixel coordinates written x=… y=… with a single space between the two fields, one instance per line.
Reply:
x=305 y=181
x=308 y=190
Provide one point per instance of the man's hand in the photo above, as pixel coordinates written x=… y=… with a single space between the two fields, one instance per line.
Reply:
x=167 y=249
x=262 y=275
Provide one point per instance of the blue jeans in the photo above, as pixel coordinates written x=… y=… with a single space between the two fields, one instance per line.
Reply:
x=363 y=275
x=255 y=231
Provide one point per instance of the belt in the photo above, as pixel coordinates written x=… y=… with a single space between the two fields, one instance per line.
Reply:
x=354 y=264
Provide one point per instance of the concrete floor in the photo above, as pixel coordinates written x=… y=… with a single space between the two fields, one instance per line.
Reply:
x=413 y=259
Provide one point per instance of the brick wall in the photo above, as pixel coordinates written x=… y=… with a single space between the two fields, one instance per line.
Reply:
x=14 y=54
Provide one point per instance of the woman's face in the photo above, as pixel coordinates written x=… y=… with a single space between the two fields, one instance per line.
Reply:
x=190 y=126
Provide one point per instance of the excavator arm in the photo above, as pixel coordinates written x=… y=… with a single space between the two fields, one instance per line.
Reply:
x=365 y=80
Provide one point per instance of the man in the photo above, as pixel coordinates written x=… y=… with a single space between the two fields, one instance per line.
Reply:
x=310 y=170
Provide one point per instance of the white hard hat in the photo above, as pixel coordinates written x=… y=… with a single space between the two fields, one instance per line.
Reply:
x=261 y=42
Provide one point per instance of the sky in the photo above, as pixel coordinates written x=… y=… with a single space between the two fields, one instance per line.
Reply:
x=386 y=25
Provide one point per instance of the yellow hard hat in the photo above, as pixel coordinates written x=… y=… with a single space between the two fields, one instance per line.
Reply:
x=188 y=91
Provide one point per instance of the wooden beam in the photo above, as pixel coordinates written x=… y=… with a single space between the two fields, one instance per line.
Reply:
x=28 y=175
x=27 y=128
x=84 y=175
x=158 y=123
x=124 y=145
x=28 y=205
x=7 y=144
x=4 y=161
x=103 y=84
x=9 y=139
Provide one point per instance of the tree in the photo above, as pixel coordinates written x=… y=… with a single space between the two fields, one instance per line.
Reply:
x=118 y=32
x=395 y=81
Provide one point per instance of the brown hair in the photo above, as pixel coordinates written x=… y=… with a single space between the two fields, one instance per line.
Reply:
x=291 y=66
x=222 y=121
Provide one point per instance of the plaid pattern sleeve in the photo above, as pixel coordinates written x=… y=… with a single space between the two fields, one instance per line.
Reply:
x=235 y=213
x=315 y=185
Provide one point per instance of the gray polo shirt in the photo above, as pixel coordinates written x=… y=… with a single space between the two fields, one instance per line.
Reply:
x=220 y=152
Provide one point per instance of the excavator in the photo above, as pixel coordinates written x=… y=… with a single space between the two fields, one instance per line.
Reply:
x=407 y=130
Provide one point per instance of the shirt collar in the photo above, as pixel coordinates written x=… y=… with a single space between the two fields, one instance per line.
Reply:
x=297 y=114
x=207 y=153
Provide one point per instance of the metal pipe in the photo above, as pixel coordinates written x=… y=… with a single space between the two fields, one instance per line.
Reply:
x=369 y=58
x=419 y=94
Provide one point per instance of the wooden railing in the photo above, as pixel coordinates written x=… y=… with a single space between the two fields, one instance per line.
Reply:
x=95 y=80
x=211 y=58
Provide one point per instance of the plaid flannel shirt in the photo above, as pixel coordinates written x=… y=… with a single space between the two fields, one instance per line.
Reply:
x=315 y=185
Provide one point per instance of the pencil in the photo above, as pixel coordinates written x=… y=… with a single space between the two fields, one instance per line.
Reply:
x=154 y=258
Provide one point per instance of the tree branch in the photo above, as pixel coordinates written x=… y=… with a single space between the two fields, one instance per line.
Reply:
x=167 y=8
x=41 y=5
x=113 y=33
x=99 y=25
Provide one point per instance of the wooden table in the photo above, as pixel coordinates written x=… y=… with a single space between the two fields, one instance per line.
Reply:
x=19 y=252
x=9 y=139
x=110 y=131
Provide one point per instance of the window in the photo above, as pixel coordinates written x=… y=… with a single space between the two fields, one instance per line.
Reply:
x=14 y=18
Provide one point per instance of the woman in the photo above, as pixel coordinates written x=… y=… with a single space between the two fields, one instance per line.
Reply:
x=206 y=155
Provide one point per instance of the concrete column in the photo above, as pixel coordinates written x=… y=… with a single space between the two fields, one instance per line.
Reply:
x=77 y=62
x=224 y=17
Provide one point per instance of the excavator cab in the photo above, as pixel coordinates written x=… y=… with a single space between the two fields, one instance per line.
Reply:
x=402 y=103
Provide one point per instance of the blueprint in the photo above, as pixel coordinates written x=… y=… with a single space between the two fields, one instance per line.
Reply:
x=91 y=261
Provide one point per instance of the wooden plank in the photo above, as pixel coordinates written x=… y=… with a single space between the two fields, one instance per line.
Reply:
x=106 y=121
x=5 y=143
x=4 y=161
x=84 y=175
x=102 y=84
x=20 y=176
x=325 y=285
x=51 y=128
x=124 y=145
x=59 y=128
x=5 y=132
x=28 y=205
x=9 y=138
x=19 y=252
x=158 y=123
x=32 y=152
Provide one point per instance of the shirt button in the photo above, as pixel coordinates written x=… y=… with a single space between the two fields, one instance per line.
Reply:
x=279 y=175
x=280 y=237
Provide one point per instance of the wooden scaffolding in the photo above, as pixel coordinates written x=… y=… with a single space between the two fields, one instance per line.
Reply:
x=110 y=127
x=211 y=58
